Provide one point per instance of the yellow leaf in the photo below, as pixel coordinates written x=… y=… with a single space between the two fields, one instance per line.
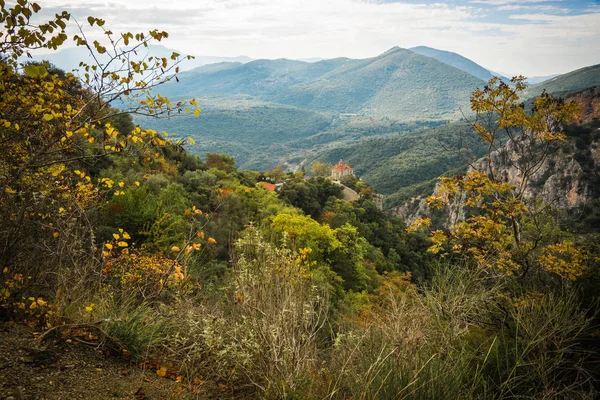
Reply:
x=162 y=372
x=48 y=117
x=196 y=112
x=126 y=235
x=175 y=249
x=116 y=236
x=90 y=308
x=10 y=191
x=121 y=184
x=211 y=240
x=109 y=246
x=55 y=234
x=137 y=183
x=122 y=244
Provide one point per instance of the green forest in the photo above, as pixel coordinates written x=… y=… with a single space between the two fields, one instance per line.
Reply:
x=115 y=237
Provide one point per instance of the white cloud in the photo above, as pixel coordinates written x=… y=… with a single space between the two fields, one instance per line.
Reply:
x=532 y=7
x=503 y=2
x=355 y=28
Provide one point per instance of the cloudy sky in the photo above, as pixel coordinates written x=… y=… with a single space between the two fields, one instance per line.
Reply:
x=527 y=37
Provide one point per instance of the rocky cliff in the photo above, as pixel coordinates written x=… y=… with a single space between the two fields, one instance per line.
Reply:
x=567 y=178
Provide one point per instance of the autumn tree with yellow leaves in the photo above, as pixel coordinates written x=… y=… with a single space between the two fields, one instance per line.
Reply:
x=494 y=226
x=56 y=127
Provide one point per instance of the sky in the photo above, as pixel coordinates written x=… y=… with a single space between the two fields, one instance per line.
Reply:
x=528 y=37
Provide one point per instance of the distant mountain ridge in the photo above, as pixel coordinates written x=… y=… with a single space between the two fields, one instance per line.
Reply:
x=455 y=60
x=68 y=59
x=582 y=78
x=539 y=79
x=398 y=84
x=267 y=112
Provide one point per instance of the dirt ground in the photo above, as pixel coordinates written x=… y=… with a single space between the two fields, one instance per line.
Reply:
x=65 y=369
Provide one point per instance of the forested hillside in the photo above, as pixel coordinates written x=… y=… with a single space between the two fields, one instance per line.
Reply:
x=430 y=89
x=262 y=136
x=131 y=267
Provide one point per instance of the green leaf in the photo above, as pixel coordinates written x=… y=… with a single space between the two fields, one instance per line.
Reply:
x=34 y=71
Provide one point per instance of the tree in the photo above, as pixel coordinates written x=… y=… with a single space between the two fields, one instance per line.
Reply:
x=503 y=231
x=309 y=195
x=276 y=174
x=223 y=162
x=319 y=168
x=55 y=128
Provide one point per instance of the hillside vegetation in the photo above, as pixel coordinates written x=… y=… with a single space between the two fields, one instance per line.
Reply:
x=263 y=135
x=401 y=160
x=116 y=238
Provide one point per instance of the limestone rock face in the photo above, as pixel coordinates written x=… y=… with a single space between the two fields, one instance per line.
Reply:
x=564 y=179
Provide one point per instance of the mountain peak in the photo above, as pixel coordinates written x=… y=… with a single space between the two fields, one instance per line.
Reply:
x=454 y=60
x=395 y=49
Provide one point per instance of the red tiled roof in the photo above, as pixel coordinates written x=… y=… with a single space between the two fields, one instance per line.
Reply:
x=269 y=186
x=342 y=166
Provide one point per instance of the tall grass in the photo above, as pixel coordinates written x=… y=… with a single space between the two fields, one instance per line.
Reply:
x=262 y=331
x=265 y=332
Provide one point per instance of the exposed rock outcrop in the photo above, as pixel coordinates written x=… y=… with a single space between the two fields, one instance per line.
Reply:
x=566 y=178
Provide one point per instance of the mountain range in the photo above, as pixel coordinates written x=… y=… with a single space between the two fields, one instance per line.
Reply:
x=68 y=59
x=381 y=114
x=398 y=84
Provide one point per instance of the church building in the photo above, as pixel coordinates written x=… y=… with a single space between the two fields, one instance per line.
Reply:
x=340 y=170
